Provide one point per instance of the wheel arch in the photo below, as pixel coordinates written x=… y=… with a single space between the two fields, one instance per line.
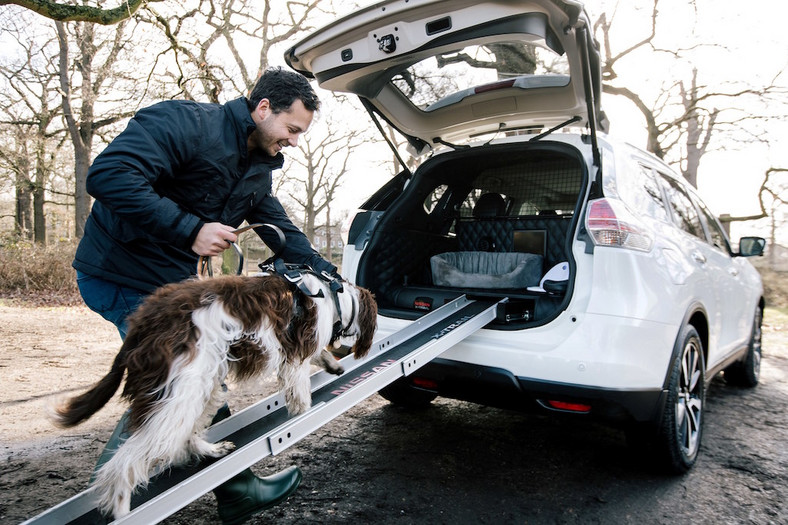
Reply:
x=699 y=320
x=697 y=317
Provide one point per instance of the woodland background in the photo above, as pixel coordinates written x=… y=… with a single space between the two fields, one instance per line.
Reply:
x=73 y=72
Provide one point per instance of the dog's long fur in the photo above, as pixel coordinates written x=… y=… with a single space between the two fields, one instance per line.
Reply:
x=184 y=340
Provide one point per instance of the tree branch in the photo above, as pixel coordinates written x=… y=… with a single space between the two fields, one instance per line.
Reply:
x=80 y=13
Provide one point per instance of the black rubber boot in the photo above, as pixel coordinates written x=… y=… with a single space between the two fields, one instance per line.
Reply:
x=244 y=495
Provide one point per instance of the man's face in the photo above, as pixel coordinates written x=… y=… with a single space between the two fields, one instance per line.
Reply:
x=278 y=130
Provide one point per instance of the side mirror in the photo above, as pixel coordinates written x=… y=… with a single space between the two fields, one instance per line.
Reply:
x=751 y=246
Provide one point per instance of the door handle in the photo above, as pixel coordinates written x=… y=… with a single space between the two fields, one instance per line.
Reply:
x=699 y=257
x=733 y=271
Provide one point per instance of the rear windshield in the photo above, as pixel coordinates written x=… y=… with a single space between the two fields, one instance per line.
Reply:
x=449 y=77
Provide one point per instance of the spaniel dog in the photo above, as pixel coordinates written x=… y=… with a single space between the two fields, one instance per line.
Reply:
x=187 y=337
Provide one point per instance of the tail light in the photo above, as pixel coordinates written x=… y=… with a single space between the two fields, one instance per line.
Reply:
x=611 y=224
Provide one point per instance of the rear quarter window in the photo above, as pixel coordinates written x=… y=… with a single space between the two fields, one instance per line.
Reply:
x=717 y=236
x=434 y=198
x=683 y=211
x=639 y=189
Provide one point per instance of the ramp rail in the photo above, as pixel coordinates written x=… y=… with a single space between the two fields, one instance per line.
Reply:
x=265 y=428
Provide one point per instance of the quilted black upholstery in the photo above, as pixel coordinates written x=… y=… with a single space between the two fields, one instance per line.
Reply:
x=498 y=234
x=401 y=258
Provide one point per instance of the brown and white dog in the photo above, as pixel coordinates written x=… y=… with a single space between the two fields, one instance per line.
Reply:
x=186 y=338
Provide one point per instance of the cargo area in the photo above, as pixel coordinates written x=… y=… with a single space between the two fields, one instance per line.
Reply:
x=491 y=222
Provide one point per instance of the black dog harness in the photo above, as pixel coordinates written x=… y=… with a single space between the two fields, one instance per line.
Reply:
x=294 y=274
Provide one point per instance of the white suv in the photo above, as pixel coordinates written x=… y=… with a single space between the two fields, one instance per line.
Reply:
x=624 y=295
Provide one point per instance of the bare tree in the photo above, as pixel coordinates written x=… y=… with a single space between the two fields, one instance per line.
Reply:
x=685 y=120
x=201 y=35
x=325 y=153
x=29 y=109
x=83 y=80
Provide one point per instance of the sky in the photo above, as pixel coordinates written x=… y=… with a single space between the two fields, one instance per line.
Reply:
x=736 y=45
x=730 y=43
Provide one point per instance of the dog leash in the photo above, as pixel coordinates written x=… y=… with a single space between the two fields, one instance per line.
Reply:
x=204 y=262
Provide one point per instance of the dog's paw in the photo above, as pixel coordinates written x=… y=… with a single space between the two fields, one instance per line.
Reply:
x=295 y=407
x=327 y=362
x=218 y=450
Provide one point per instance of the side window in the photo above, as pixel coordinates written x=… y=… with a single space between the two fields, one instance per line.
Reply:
x=684 y=213
x=653 y=204
x=434 y=197
x=637 y=186
x=716 y=234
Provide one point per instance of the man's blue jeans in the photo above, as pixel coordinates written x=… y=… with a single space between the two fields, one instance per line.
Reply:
x=111 y=301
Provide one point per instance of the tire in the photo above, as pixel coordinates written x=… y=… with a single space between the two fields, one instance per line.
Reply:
x=402 y=393
x=746 y=373
x=681 y=428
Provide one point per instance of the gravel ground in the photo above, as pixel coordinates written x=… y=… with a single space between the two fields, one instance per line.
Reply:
x=452 y=463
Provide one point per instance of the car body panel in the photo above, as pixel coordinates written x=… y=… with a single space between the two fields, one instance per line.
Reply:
x=589 y=350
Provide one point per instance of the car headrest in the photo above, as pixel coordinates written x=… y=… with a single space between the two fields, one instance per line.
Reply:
x=490 y=205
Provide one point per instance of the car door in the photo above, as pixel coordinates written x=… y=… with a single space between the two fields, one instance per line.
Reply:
x=701 y=285
x=711 y=283
x=736 y=307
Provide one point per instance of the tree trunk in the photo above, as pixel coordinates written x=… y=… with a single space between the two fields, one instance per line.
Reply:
x=81 y=132
x=24 y=210
x=329 y=249
x=39 y=219
x=81 y=197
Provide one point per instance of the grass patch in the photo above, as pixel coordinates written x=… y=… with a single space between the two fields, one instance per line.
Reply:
x=38 y=275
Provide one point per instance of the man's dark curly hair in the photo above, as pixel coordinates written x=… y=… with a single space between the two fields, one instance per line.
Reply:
x=282 y=88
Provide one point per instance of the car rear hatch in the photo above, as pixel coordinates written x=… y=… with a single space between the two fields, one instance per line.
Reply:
x=451 y=72
x=445 y=71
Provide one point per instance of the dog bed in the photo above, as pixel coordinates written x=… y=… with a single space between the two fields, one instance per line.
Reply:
x=486 y=269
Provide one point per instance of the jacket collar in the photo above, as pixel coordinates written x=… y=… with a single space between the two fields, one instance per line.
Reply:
x=244 y=124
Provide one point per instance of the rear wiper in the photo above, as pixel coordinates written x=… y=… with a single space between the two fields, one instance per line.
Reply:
x=556 y=128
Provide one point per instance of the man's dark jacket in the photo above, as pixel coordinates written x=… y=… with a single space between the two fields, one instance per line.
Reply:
x=177 y=166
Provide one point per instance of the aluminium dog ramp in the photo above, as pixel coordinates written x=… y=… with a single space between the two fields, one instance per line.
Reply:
x=265 y=428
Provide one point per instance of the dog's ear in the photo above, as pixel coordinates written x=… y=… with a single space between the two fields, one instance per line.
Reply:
x=367 y=317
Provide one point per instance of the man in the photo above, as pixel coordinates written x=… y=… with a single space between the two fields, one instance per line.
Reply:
x=173 y=186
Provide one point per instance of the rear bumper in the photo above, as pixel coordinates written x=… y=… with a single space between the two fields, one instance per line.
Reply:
x=501 y=388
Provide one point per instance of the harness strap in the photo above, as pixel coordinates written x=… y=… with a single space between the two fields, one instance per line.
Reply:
x=294 y=273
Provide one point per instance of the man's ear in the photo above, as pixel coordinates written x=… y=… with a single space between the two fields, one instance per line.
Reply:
x=263 y=108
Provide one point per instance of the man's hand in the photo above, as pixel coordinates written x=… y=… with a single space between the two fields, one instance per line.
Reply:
x=213 y=239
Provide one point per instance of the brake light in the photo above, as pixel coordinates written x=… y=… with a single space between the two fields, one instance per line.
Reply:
x=611 y=224
x=503 y=84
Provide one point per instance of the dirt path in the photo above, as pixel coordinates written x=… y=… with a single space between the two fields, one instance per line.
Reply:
x=453 y=463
